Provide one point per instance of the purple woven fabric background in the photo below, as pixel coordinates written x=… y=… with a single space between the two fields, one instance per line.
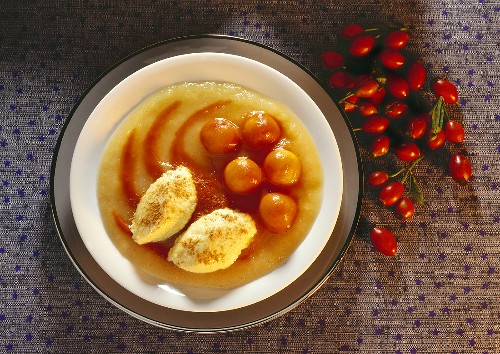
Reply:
x=440 y=294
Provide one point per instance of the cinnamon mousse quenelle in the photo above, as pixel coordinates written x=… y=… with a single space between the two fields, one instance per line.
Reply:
x=209 y=184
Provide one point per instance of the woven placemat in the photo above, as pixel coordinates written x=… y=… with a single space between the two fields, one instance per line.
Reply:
x=438 y=295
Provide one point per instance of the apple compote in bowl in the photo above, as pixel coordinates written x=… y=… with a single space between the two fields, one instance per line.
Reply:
x=206 y=182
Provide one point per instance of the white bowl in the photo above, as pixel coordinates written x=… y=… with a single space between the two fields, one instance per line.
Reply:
x=116 y=105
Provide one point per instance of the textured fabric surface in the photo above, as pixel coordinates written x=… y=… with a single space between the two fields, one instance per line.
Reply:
x=440 y=294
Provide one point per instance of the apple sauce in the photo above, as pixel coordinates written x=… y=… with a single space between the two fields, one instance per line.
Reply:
x=163 y=132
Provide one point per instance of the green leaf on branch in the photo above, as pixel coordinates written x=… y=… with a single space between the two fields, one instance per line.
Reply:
x=415 y=190
x=438 y=115
x=378 y=72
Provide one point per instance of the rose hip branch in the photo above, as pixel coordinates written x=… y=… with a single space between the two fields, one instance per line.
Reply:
x=397 y=109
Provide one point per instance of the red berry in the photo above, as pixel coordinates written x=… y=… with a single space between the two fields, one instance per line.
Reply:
x=351 y=31
x=361 y=78
x=375 y=125
x=445 y=89
x=408 y=152
x=377 y=178
x=332 y=60
x=379 y=96
x=454 y=131
x=381 y=145
x=396 y=109
x=436 y=141
x=341 y=80
x=397 y=86
x=417 y=126
x=426 y=117
x=384 y=241
x=396 y=39
x=367 y=88
x=391 y=193
x=350 y=103
x=405 y=208
x=362 y=46
x=391 y=58
x=459 y=168
x=416 y=76
x=367 y=109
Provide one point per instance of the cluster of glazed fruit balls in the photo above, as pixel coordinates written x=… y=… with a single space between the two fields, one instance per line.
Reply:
x=382 y=87
x=269 y=177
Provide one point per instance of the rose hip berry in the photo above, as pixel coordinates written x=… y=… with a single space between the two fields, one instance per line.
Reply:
x=445 y=89
x=391 y=193
x=380 y=145
x=367 y=89
x=377 y=178
x=332 y=60
x=436 y=141
x=391 y=58
x=459 y=168
x=417 y=126
x=454 y=131
x=407 y=152
x=416 y=75
x=367 y=109
x=375 y=125
x=384 y=241
x=351 y=31
x=397 y=87
x=359 y=79
x=350 y=103
x=405 y=208
x=342 y=80
x=396 y=39
x=395 y=109
x=362 y=46
x=379 y=96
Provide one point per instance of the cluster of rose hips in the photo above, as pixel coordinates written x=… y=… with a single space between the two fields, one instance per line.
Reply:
x=381 y=88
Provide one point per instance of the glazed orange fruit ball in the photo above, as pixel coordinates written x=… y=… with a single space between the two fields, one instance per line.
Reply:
x=220 y=136
x=242 y=175
x=260 y=130
x=282 y=167
x=278 y=211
